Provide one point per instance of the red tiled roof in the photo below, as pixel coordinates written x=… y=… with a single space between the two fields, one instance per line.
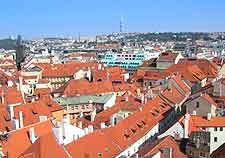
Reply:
x=173 y=95
x=18 y=140
x=5 y=120
x=13 y=96
x=86 y=147
x=154 y=75
x=207 y=67
x=168 y=56
x=181 y=83
x=157 y=146
x=40 y=148
x=83 y=87
x=199 y=121
x=191 y=73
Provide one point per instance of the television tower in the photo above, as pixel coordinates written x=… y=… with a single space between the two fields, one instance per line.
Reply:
x=121 y=25
x=20 y=54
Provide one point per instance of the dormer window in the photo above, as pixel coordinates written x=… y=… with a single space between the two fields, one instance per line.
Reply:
x=126 y=135
x=133 y=130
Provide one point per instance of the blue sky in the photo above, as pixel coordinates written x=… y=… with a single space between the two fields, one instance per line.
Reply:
x=37 y=18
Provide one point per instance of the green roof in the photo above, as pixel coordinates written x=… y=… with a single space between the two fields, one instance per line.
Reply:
x=84 y=99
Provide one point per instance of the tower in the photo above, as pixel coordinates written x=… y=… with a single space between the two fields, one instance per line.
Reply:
x=121 y=25
x=20 y=55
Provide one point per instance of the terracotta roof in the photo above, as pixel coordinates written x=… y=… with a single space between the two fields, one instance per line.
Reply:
x=168 y=56
x=173 y=95
x=31 y=111
x=207 y=67
x=65 y=70
x=18 y=140
x=83 y=87
x=109 y=73
x=86 y=147
x=199 y=121
x=131 y=129
x=157 y=107
x=191 y=73
x=181 y=83
x=13 y=96
x=40 y=148
x=5 y=120
x=155 y=75
x=160 y=144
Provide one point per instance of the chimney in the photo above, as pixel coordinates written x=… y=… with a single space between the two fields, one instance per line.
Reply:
x=2 y=155
x=3 y=97
x=32 y=135
x=43 y=118
x=20 y=82
x=138 y=91
x=113 y=120
x=186 y=125
x=80 y=125
x=11 y=111
x=99 y=66
x=21 y=119
x=33 y=100
x=168 y=152
x=107 y=76
x=142 y=99
x=15 y=124
x=58 y=131
x=146 y=100
x=194 y=113
x=102 y=125
x=90 y=129
x=126 y=99
x=209 y=116
x=68 y=118
x=93 y=113
x=86 y=131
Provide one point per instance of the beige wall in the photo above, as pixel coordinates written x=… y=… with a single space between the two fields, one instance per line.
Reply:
x=204 y=107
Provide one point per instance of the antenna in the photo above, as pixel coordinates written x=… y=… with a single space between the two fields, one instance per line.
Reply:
x=121 y=25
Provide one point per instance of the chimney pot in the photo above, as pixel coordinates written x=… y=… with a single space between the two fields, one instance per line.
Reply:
x=32 y=135
x=21 y=119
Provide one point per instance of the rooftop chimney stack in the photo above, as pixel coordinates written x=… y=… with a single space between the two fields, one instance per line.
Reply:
x=32 y=135
x=16 y=124
x=90 y=129
x=11 y=111
x=21 y=119
x=209 y=116
x=102 y=125
x=186 y=125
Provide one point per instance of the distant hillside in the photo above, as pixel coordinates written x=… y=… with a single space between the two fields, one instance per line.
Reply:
x=7 y=44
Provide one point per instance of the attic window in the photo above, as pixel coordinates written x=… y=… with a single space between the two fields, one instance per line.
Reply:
x=100 y=154
x=157 y=111
x=153 y=114
x=133 y=130
x=34 y=112
x=49 y=105
x=139 y=125
x=143 y=122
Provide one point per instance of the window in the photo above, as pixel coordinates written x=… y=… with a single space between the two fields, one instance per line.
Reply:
x=197 y=104
x=202 y=154
x=215 y=139
x=221 y=128
x=215 y=129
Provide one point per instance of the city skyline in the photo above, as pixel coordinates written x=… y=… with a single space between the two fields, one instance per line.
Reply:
x=57 y=18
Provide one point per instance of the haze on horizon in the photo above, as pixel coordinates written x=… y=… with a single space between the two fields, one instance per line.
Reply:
x=64 y=18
